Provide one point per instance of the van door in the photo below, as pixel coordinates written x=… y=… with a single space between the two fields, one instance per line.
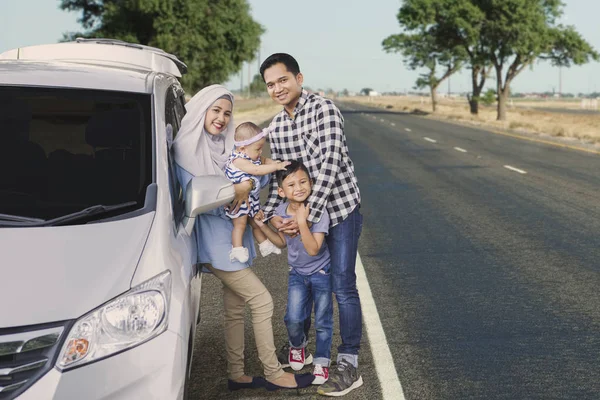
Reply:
x=174 y=112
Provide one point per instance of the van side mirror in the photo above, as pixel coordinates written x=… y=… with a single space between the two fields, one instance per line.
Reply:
x=205 y=193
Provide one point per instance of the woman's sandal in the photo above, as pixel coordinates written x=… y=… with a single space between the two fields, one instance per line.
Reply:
x=257 y=382
x=302 y=381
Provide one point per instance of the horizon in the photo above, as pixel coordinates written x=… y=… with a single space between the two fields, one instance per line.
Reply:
x=338 y=54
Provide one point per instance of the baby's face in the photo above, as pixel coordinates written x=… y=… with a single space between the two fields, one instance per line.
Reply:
x=254 y=150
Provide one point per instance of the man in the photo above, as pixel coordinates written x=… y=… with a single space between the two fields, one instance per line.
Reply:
x=310 y=129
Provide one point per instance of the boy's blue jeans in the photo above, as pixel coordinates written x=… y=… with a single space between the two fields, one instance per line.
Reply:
x=303 y=290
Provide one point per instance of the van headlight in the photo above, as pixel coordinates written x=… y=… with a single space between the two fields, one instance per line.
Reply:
x=125 y=322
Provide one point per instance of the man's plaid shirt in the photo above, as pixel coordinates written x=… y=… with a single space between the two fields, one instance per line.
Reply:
x=315 y=136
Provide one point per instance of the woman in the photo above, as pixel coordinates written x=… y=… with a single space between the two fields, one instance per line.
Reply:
x=202 y=147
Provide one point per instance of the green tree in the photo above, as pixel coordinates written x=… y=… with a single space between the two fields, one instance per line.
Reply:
x=213 y=38
x=421 y=50
x=506 y=35
x=257 y=86
x=365 y=91
x=518 y=32
x=489 y=97
x=451 y=24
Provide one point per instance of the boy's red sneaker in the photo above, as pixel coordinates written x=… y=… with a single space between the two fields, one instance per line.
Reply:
x=296 y=358
x=321 y=374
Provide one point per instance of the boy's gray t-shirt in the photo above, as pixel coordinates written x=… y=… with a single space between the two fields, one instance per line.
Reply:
x=298 y=258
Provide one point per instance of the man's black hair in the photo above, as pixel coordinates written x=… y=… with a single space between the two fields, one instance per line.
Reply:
x=290 y=63
x=293 y=167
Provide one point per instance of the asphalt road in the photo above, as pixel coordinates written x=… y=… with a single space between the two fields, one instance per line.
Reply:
x=485 y=278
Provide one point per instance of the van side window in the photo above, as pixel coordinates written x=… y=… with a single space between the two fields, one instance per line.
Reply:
x=174 y=112
x=180 y=105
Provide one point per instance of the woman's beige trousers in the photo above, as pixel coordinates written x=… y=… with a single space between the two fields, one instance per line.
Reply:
x=241 y=288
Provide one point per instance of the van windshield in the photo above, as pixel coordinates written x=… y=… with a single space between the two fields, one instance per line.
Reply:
x=64 y=150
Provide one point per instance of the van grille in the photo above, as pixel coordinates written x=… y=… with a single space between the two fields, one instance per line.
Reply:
x=25 y=355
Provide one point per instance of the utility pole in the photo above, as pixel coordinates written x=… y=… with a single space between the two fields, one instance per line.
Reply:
x=258 y=61
x=242 y=79
x=249 y=80
x=560 y=81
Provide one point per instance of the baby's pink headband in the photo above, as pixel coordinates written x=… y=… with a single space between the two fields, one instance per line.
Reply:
x=253 y=139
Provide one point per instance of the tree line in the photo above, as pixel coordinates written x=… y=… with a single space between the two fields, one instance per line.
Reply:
x=213 y=38
x=485 y=36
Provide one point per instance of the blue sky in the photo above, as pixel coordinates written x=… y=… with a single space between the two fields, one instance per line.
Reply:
x=336 y=42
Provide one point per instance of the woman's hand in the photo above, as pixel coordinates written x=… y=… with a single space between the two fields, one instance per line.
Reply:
x=242 y=194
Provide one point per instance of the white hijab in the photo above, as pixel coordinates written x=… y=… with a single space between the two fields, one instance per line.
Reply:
x=196 y=150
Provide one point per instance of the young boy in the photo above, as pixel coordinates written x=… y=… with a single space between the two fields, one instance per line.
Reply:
x=309 y=270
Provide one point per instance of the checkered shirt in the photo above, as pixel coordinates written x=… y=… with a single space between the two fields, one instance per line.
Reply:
x=315 y=136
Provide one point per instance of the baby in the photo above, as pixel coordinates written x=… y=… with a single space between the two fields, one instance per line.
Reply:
x=245 y=163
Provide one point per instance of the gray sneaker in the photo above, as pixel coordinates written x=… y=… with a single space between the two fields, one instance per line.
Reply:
x=283 y=356
x=342 y=381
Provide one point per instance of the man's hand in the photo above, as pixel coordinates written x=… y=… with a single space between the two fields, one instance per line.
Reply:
x=288 y=226
x=242 y=194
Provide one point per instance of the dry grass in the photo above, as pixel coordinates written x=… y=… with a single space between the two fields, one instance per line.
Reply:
x=243 y=104
x=565 y=104
x=584 y=127
x=257 y=110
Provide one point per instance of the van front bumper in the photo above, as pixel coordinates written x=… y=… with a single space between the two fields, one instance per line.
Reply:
x=153 y=370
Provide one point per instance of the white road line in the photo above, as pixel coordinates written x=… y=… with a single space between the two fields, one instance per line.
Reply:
x=382 y=120
x=515 y=169
x=393 y=124
x=407 y=130
x=382 y=356
x=430 y=140
x=459 y=149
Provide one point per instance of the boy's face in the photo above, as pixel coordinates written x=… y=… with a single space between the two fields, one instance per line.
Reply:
x=282 y=85
x=254 y=150
x=296 y=187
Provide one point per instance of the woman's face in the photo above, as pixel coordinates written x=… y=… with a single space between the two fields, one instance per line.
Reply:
x=218 y=116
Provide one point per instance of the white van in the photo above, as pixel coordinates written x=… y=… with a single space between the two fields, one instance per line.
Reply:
x=99 y=287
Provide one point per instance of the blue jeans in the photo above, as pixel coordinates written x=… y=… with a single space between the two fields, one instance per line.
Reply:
x=303 y=290
x=343 y=246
